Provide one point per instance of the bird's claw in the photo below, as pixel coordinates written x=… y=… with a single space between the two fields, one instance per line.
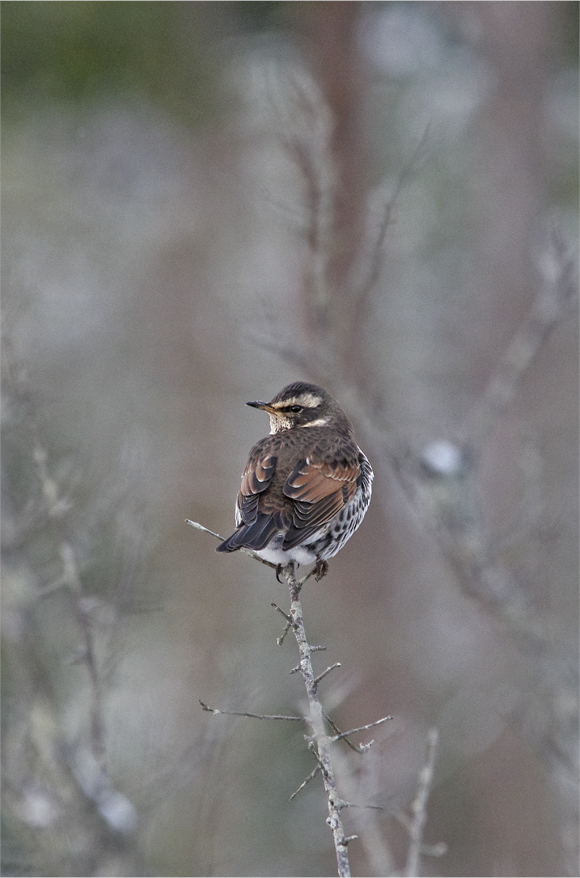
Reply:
x=320 y=570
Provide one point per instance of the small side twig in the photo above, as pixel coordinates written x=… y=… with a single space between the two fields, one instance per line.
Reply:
x=416 y=824
x=343 y=735
x=217 y=712
x=243 y=549
x=335 y=728
x=326 y=672
x=286 y=616
x=307 y=780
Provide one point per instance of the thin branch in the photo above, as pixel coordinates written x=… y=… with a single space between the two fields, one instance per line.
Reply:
x=326 y=672
x=286 y=616
x=377 y=722
x=367 y=807
x=335 y=728
x=243 y=549
x=218 y=712
x=320 y=740
x=312 y=775
x=204 y=529
x=419 y=805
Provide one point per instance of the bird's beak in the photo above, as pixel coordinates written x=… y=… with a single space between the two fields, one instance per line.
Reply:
x=265 y=406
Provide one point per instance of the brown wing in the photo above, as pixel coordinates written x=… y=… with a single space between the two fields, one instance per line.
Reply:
x=254 y=528
x=319 y=491
x=256 y=478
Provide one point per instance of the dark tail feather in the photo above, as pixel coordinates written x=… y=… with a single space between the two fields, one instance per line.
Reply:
x=254 y=536
x=226 y=546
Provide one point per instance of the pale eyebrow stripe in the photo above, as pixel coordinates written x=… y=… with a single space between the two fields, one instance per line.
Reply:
x=309 y=400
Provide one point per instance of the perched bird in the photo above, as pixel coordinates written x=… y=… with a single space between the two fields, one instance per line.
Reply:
x=306 y=486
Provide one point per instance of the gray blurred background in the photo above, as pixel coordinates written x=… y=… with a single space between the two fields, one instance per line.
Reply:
x=206 y=201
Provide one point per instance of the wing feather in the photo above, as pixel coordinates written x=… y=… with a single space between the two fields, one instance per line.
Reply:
x=319 y=491
x=256 y=479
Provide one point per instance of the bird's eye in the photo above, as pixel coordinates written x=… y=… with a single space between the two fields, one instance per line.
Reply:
x=296 y=408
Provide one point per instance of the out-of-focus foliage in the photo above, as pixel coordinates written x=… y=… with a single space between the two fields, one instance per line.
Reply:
x=193 y=194
x=79 y=52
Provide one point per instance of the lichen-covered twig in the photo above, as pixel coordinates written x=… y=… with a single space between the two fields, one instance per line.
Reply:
x=320 y=740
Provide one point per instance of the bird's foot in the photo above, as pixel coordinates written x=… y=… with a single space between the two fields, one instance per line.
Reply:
x=279 y=569
x=320 y=570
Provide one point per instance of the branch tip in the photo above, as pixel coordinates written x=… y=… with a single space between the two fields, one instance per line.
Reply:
x=326 y=672
x=312 y=774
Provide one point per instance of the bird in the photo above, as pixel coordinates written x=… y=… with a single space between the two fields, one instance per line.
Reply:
x=306 y=487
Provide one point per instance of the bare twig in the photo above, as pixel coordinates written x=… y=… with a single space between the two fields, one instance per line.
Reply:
x=286 y=616
x=335 y=728
x=312 y=775
x=243 y=549
x=320 y=740
x=326 y=672
x=416 y=825
x=217 y=712
x=377 y=722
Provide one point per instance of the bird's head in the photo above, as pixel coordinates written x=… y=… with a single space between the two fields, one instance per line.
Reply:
x=304 y=405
